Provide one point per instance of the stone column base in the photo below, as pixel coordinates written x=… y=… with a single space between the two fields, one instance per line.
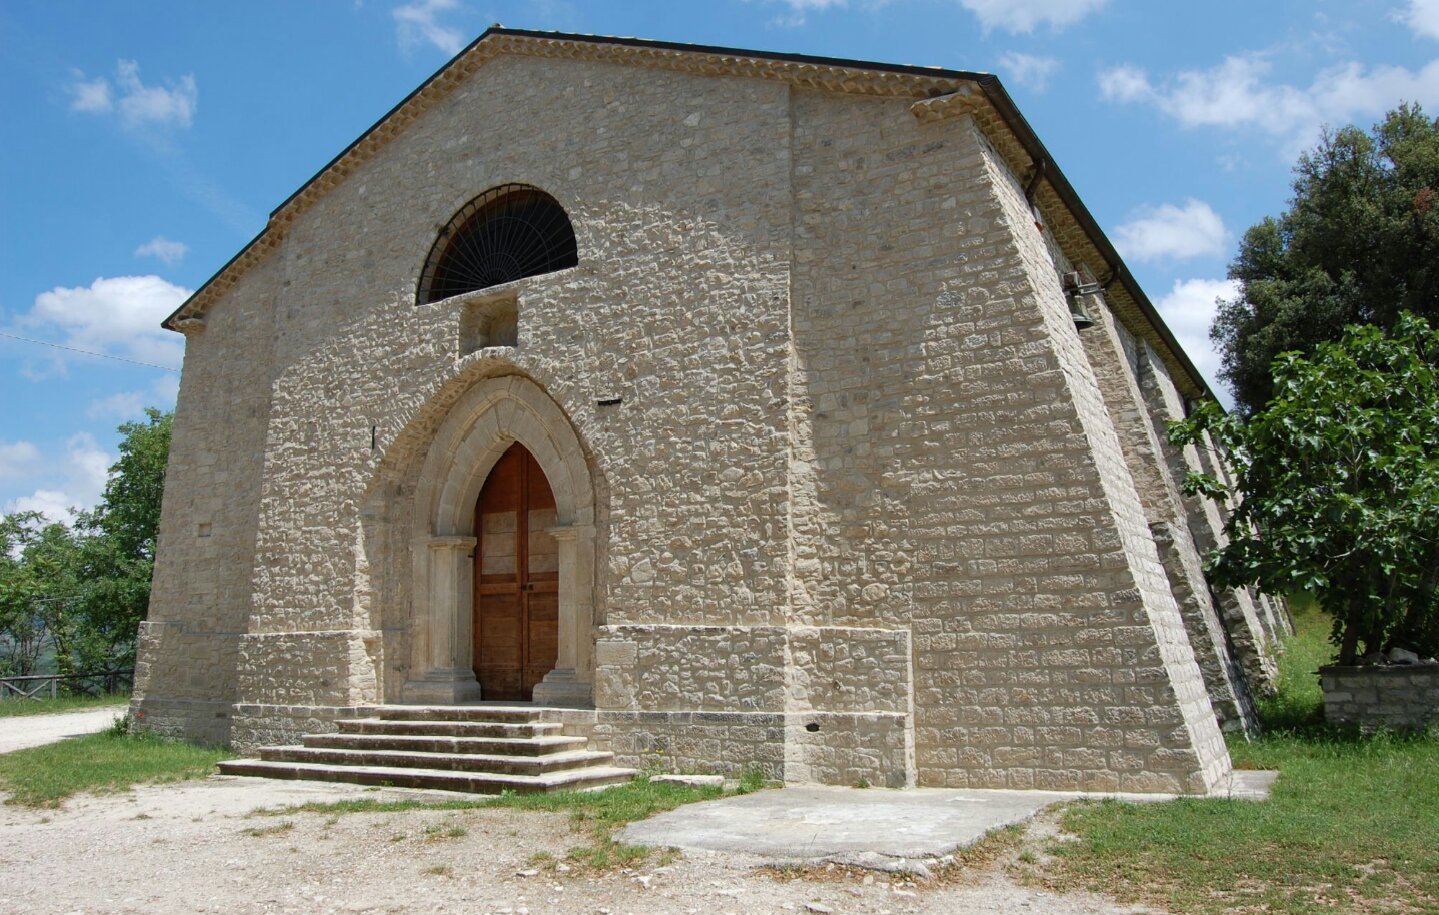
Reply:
x=442 y=687
x=560 y=688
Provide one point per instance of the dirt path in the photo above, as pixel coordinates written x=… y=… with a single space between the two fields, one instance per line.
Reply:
x=194 y=848
x=20 y=731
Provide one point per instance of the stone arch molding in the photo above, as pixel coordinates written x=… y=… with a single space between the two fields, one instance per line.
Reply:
x=491 y=415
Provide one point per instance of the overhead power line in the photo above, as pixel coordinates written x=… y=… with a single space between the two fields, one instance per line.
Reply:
x=86 y=352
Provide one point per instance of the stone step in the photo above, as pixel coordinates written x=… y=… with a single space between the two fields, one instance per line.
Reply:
x=505 y=729
x=400 y=777
x=496 y=713
x=462 y=762
x=423 y=743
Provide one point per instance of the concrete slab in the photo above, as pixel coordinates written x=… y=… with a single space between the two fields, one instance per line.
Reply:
x=890 y=830
x=1247 y=785
x=813 y=823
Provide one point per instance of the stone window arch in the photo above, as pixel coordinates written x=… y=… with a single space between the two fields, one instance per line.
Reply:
x=507 y=233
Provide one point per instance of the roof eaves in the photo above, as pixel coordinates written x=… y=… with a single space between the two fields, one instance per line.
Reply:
x=1000 y=99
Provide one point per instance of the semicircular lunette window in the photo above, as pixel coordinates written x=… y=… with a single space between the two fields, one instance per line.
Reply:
x=506 y=233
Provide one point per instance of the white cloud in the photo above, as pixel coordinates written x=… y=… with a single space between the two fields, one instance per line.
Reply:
x=799 y=10
x=1026 y=15
x=127 y=405
x=18 y=459
x=52 y=503
x=1189 y=309
x=138 y=105
x=117 y=315
x=90 y=95
x=1125 y=84
x=1168 y=231
x=1029 y=70
x=1422 y=16
x=87 y=466
x=171 y=252
x=418 y=23
x=77 y=481
x=1235 y=95
x=167 y=390
x=119 y=406
x=141 y=104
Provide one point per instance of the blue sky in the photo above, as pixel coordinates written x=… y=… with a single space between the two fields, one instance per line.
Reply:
x=145 y=142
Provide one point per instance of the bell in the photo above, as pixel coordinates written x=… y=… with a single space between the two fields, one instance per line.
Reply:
x=1076 y=290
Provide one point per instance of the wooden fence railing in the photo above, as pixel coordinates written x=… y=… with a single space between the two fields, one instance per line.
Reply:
x=47 y=686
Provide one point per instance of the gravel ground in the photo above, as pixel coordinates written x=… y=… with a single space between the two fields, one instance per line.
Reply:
x=21 y=731
x=196 y=847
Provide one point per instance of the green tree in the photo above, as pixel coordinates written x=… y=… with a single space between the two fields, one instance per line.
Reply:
x=1358 y=244
x=116 y=555
x=82 y=591
x=38 y=562
x=1337 y=481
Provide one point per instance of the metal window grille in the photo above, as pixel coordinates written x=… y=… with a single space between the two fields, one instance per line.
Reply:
x=506 y=233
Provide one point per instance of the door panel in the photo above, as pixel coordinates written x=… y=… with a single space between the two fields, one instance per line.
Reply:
x=516 y=579
x=544 y=637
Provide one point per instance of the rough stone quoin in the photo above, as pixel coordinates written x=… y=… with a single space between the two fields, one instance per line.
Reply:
x=840 y=490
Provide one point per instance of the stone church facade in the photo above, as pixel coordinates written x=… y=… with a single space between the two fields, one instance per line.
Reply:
x=833 y=445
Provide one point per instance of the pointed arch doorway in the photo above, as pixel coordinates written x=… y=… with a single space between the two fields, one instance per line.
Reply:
x=516 y=581
x=479 y=430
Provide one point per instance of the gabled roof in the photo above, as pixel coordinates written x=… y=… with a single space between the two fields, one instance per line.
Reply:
x=936 y=93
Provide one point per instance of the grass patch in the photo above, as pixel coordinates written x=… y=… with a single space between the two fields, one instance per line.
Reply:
x=596 y=814
x=604 y=854
x=1350 y=825
x=615 y=806
x=1299 y=704
x=439 y=832
x=108 y=761
x=14 y=708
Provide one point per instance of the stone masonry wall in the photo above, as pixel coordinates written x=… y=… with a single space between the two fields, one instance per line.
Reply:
x=861 y=513
x=805 y=704
x=705 y=743
x=1163 y=683
x=946 y=472
x=676 y=187
x=1400 y=697
x=683 y=668
x=185 y=679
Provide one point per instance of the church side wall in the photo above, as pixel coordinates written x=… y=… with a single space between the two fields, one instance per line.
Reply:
x=1158 y=681
x=185 y=680
x=957 y=472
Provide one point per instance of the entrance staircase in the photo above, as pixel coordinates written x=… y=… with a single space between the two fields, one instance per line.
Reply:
x=477 y=749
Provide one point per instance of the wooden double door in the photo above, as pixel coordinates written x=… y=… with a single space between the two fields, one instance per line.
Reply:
x=516 y=579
